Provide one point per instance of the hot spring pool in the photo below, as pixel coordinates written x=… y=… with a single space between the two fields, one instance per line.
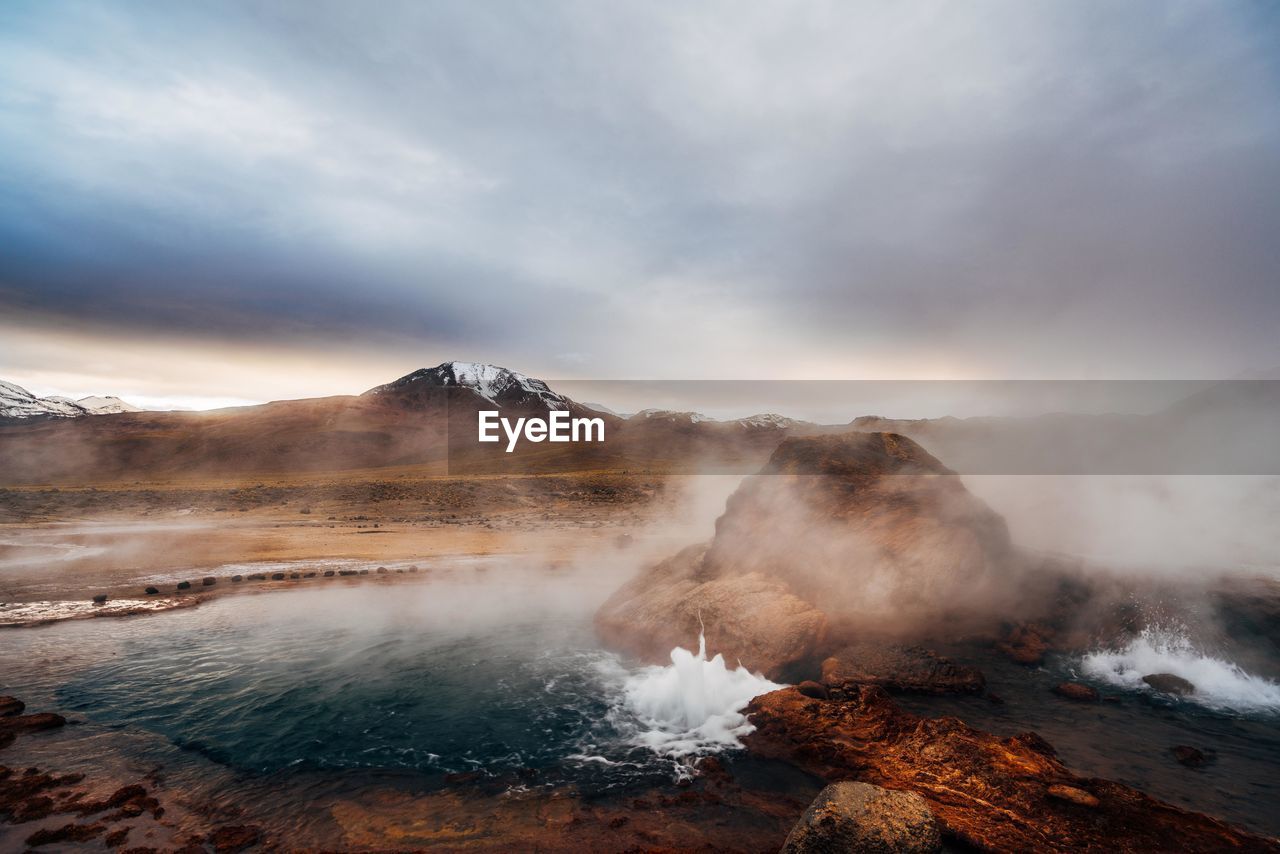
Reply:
x=496 y=673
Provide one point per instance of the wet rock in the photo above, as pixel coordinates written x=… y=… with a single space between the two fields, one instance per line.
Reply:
x=861 y=817
x=152 y=591
x=1168 y=683
x=10 y=706
x=816 y=690
x=6 y=739
x=1071 y=794
x=184 y=585
x=66 y=833
x=1076 y=691
x=1189 y=756
x=117 y=838
x=236 y=579
x=32 y=723
x=295 y=575
x=345 y=572
x=208 y=581
x=900 y=668
x=329 y=573
x=100 y=599
x=382 y=570
x=226 y=840
x=258 y=576
x=986 y=792
x=364 y=572
x=277 y=576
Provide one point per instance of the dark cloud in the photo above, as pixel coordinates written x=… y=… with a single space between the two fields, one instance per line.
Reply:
x=715 y=189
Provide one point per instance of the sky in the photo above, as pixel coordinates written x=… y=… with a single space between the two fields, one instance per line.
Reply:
x=211 y=203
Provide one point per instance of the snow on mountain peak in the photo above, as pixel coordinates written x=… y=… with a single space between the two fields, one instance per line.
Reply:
x=495 y=384
x=17 y=402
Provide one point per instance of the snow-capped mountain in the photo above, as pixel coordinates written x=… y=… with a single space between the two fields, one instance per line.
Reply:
x=764 y=421
x=492 y=384
x=106 y=404
x=17 y=402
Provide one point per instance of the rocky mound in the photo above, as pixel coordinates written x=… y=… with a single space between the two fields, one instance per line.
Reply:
x=836 y=537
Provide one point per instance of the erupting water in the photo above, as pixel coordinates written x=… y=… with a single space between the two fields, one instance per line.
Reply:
x=694 y=705
x=1220 y=684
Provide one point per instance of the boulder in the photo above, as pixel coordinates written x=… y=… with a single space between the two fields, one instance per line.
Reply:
x=1072 y=794
x=1025 y=644
x=328 y=573
x=750 y=619
x=10 y=706
x=152 y=591
x=1076 y=691
x=1168 y=683
x=100 y=599
x=208 y=581
x=277 y=576
x=816 y=690
x=184 y=585
x=900 y=668
x=861 y=817
x=236 y=579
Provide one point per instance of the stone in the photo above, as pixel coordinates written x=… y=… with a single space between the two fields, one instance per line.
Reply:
x=900 y=668
x=184 y=585
x=208 y=581
x=100 y=599
x=10 y=706
x=816 y=690
x=226 y=840
x=152 y=591
x=1073 y=795
x=1076 y=691
x=36 y=722
x=1168 y=683
x=848 y=817
x=1189 y=756
x=277 y=576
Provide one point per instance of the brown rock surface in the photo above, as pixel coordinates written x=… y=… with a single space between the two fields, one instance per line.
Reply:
x=1076 y=691
x=10 y=706
x=900 y=668
x=749 y=618
x=988 y=792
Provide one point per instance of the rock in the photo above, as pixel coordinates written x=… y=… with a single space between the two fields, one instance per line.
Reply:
x=32 y=723
x=986 y=792
x=277 y=576
x=1189 y=756
x=66 y=833
x=860 y=817
x=308 y=575
x=295 y=575
x=10 y=706
x=184 y=585
x=100 y=599
x=816 y=690
x=208 y=581
x=749 y=618
x=236 y=579
x=1168 y=683
x=364 y=572
x=152 y=591
x=117 y=838
x=382 y=570
x=328 y=573
x=1072 y=795
x=237 y=838
x=258 y=576
x=1076 y=691
x=1025 y=644
x=900 y=668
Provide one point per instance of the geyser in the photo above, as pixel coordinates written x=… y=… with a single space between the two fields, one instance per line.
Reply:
x=693 y=705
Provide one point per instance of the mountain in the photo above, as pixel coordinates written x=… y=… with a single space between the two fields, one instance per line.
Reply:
x=482 y=384
x=106 y=405
x=19 y=404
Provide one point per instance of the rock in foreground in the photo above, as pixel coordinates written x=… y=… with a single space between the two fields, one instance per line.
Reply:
x=987 y=792
x=861 y=817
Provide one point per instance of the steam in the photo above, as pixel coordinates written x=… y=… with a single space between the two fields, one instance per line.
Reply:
x=693 y=705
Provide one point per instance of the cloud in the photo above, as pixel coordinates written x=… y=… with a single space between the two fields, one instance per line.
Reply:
x=691 y=190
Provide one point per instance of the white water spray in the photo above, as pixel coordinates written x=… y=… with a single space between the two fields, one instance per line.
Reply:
x=693 y=705
x=1220 y=684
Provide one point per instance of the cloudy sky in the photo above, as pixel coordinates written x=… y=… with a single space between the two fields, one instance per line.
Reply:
x=210 y=202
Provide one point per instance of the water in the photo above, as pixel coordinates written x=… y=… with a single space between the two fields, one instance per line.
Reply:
x=1220 y=684
x=495 y=674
